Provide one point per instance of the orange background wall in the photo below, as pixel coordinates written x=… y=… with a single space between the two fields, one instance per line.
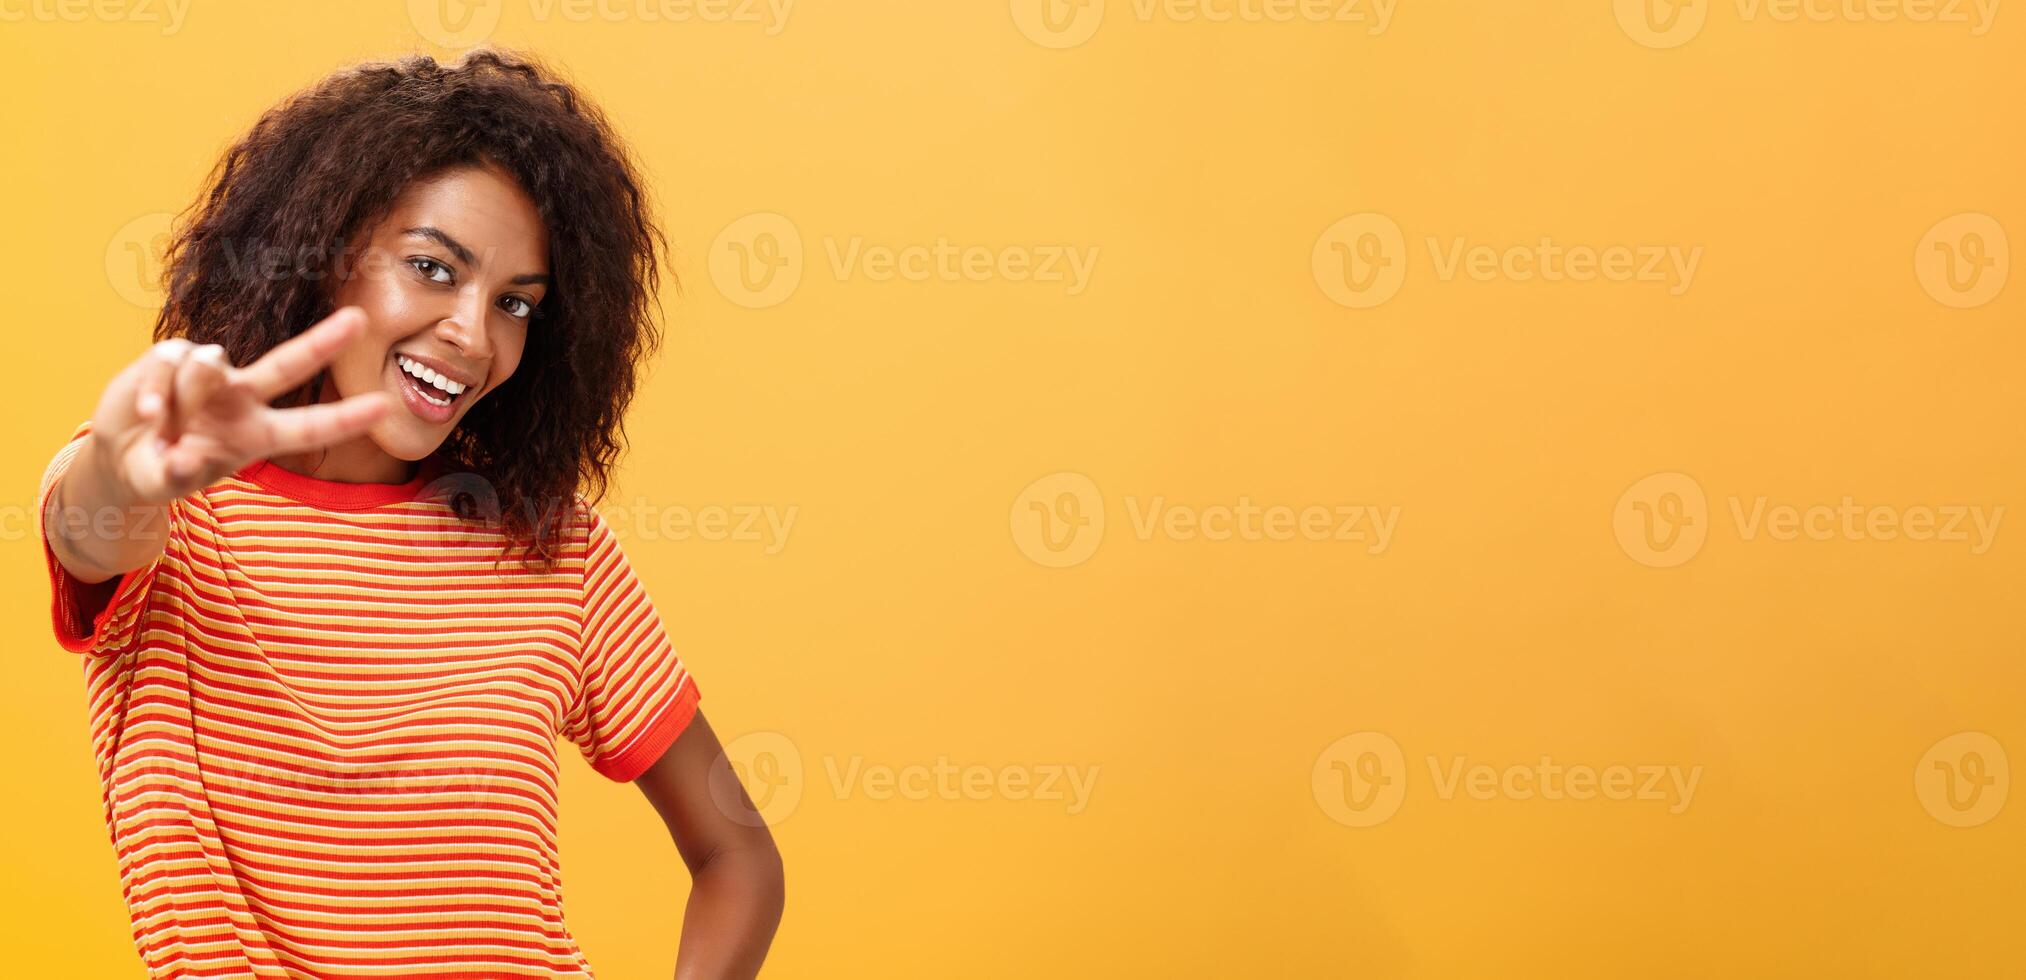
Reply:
x=1571 y=318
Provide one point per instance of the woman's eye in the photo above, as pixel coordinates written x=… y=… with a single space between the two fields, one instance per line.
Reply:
x=517 y=306
x=429 y=269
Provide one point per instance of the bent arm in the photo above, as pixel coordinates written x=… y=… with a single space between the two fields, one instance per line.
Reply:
x=737 y=889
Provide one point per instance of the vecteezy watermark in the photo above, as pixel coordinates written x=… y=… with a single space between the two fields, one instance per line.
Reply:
x=1361 y=261
x=468 y=23
x=1059 y=521
x=769 y=766
x=766 y=526
x=1361 y=780
x=1964 y=260
x=1962 y=780
x=642 y=519
x=168 y=13
x=1663 y=24
x=1068 y=23
x=79 y=523
x=1663 y=520
x=1062 y=783
x=758 y=261
x=136 y=250
x=134 y=256
x=1368 y=524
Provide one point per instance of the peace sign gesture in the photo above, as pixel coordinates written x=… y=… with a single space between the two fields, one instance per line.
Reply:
x=182 y=418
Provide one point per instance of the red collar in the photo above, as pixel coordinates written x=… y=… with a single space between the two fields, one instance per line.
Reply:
x=333 y=495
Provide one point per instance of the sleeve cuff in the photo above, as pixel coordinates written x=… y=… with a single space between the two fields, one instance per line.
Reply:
x=83 y=614
x=626 y=766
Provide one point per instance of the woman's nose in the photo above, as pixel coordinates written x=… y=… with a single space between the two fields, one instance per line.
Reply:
x=466 y=326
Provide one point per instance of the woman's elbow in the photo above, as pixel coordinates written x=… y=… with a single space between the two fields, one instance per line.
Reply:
x=769 y=877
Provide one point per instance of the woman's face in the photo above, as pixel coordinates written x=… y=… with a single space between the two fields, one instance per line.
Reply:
x=448 y=280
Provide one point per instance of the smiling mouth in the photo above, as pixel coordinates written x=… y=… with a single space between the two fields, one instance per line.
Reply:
x=430 y=386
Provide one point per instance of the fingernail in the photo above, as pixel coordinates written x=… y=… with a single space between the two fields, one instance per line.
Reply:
x=150 y=402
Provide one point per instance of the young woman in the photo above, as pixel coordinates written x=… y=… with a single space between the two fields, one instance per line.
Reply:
x=324 y=704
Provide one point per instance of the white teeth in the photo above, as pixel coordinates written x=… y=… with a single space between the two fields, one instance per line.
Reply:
x=442 y=383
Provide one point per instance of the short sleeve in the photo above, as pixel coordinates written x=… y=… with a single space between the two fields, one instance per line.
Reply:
x=100 y=619
x=634 y=696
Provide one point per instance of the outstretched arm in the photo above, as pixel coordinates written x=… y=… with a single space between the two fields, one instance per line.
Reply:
x=736 y=893
x=181 y=418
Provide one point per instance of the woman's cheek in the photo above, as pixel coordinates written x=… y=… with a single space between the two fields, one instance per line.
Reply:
x=515 y=345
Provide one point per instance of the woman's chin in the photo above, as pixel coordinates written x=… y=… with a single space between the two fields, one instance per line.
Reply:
x=407 y=439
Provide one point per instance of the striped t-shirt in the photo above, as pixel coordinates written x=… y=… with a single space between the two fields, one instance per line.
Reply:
x=325 y=725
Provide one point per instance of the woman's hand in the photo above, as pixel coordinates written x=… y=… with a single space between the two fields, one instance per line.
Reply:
x=181 y=418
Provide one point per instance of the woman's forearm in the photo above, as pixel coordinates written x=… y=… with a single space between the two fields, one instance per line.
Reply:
x=735 y=902
x=93 y=526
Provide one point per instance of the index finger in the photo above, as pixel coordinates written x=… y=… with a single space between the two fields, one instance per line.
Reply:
x=299 y=358
x=295 y=430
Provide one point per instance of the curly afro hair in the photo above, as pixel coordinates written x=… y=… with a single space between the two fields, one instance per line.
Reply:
x=314 y=175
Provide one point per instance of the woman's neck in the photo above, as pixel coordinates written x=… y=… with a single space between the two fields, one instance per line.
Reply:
x=358 y=461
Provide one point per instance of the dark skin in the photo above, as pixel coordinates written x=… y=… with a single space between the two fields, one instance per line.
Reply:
x=451 y=275
x=736 y=889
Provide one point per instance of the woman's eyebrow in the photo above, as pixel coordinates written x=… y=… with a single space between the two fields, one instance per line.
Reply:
x=464 y=255
x=436 y=235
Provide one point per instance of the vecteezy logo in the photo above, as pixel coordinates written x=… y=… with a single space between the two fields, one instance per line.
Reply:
x=1058 y=521
x=134 y=259
x=1963 y=779
x=1661 y=24
x=454 y=23
x=1360 y=261
x=769 y=767
x=756 y=261
x=1963 y=260
x=1058 y=23
x=1360 y=779
x=1663 y=520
